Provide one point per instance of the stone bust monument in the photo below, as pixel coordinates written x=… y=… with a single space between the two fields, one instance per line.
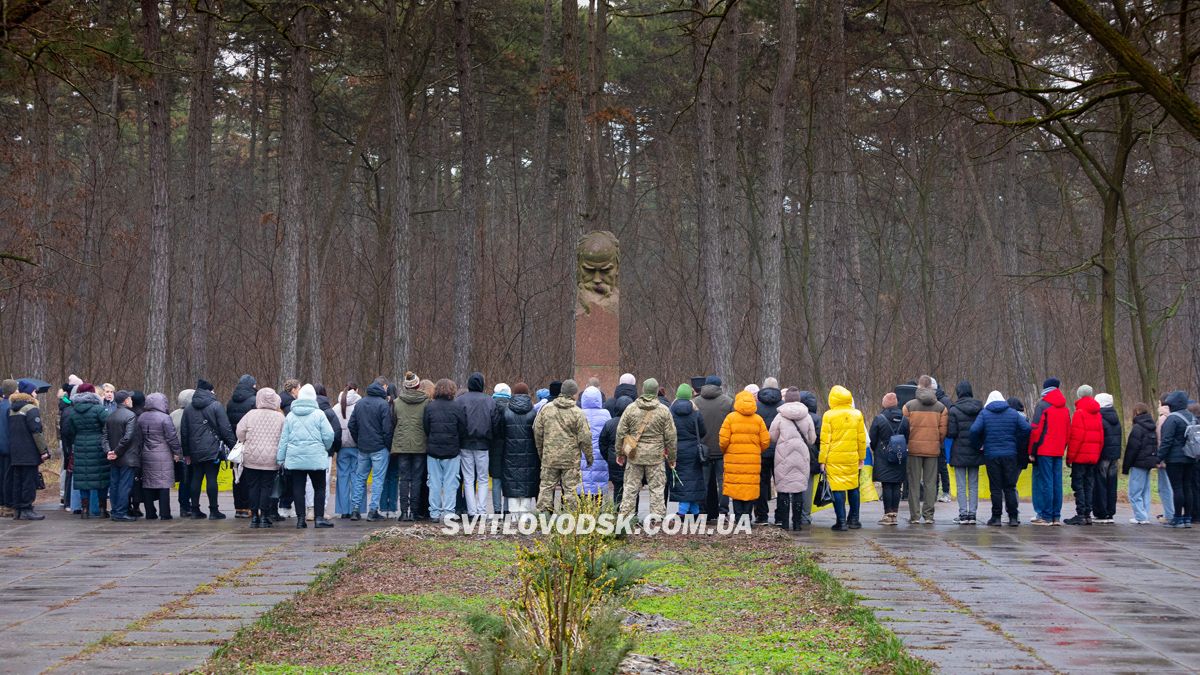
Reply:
x=596 y=274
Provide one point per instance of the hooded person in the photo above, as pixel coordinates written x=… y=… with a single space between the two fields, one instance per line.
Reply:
x=520 y=463
x=1085 y=441
x=502 y=395
x=608 y=448
x=809 y=399
x=563 y=436
x=1180 y=467
x=626 y=386
x=1001 y=433
x=241 y=401
x=1050 y=429
x=769 y=398
x=1104 y=489
x=480 y=409
x=744 y=437
x=161 y=453
x=207 y=437
x=259 y=430
x=793 y=433
x=183 y=471
x=84 y=432
x=965 y=456
x=347 y=454
x=928 y=422
x=645 y=436
x=408 y=445
x=687 y=483
x=843 y=450
x=1141 y=455
x=714 y=405
x=303 y=450
x=371 y=427
x=889 y=468
x=594 y=474
x=26 y=450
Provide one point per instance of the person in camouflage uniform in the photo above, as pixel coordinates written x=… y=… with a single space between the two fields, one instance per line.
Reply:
x=656 y=441
x=563 y=436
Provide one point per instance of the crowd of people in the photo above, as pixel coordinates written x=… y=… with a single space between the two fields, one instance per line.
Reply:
x=429 y=451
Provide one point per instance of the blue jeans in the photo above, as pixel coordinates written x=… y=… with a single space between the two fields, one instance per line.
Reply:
x=347 y=470
x=376 y=464
x=839 y=504
x=1166 y=495
x=1047 y=487
x=443 y=485
x=497 y=497
x=120 y=484
x=391 y=486
x=1139 y=493
x=93 y=497
x=686 y=508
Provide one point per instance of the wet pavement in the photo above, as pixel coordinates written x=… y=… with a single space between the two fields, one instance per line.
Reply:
x=98 y=596
x=1104 y=598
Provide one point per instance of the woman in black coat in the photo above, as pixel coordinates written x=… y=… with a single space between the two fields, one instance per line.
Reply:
x=608 y=443
x=445 y=425
x=521 y=467
x=27 y=450
x=687 y=485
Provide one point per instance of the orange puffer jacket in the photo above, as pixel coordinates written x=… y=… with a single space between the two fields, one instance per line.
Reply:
x=744 y=437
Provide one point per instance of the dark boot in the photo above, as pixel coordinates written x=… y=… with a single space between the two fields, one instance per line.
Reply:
x=301 y=524
x=255 y=523
x=374 y=516
x=321 y=522
x=854 y=524
x=839 y=526
x=783 y=512
x=30 y=514
x=266 y=523
x=216 y=515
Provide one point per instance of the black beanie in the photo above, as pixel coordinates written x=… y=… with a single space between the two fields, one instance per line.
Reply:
x=203 y=384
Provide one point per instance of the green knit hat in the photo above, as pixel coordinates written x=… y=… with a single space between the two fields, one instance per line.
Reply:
x=684 y=392
x=650 y=387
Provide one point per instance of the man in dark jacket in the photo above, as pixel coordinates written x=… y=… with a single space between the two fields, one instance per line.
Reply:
x=240 y=403
x=1002 y=433
x=27 y=449
x=1178 y=465
x=206 y=436
x=714 y=405
x=1104 y=491
x=809 y=399
x=627 y=386
x=889 y=422
x=479 y=408
x=965 y=456
x=371 y=427
x=769 y=399
x=124 y=453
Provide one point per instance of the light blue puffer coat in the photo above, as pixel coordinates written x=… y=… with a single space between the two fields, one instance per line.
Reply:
x=307 y=436
x=595 y=477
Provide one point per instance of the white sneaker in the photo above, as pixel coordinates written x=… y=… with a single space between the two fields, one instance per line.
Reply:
x=309 y=515
x=1135 y=521
x=287 y=513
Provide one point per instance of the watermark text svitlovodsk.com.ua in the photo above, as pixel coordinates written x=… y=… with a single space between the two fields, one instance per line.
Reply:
x=528 y=524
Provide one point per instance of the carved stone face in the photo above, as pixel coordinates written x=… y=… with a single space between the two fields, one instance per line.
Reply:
x=597 y=272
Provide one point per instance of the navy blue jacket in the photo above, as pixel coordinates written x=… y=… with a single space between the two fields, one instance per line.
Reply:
x=1170 y=446
x=769 y=400
x=370 y=424
x=445 y=426
x=1000 y=430
x=689 y=429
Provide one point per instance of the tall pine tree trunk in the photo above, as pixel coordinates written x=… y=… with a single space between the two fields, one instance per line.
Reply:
x=770 y=308
x=294 y=212
x=472 y=195
x=160 y=214
x=398 y=191
x=199 y=199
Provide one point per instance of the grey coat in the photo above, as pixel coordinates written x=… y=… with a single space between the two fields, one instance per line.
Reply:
x=160 y=444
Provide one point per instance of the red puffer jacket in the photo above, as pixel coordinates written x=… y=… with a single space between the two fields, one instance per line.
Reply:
x=1087 y=433
x=1051 y=426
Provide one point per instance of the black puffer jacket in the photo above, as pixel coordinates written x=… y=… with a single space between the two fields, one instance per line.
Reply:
x=242 y=400
x=1141 y=450
x=327 y=408
x=26 y=442
x=769 y=400
x=479 y=408
x=809 y=399
x=371 y=424
x=522 y=466
x=689 y=430
x=889 y=421
x=963 y=451
x=85 y=433
x=496 y=445
x=123 y=436
x=205 y=432
x=610 y=404
x=608 y=440
x=445 y=425
x=1112 y=433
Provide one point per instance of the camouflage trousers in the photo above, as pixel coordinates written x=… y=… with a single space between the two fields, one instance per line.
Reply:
x=570 y=480
x=655 y=476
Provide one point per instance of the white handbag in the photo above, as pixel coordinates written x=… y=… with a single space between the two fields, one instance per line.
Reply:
x=235 y=454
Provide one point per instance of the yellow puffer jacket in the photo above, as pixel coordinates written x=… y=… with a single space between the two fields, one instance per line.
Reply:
x=744 y=436
x=843 y=440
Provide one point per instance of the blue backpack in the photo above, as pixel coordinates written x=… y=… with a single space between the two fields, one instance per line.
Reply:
x=896 y=450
